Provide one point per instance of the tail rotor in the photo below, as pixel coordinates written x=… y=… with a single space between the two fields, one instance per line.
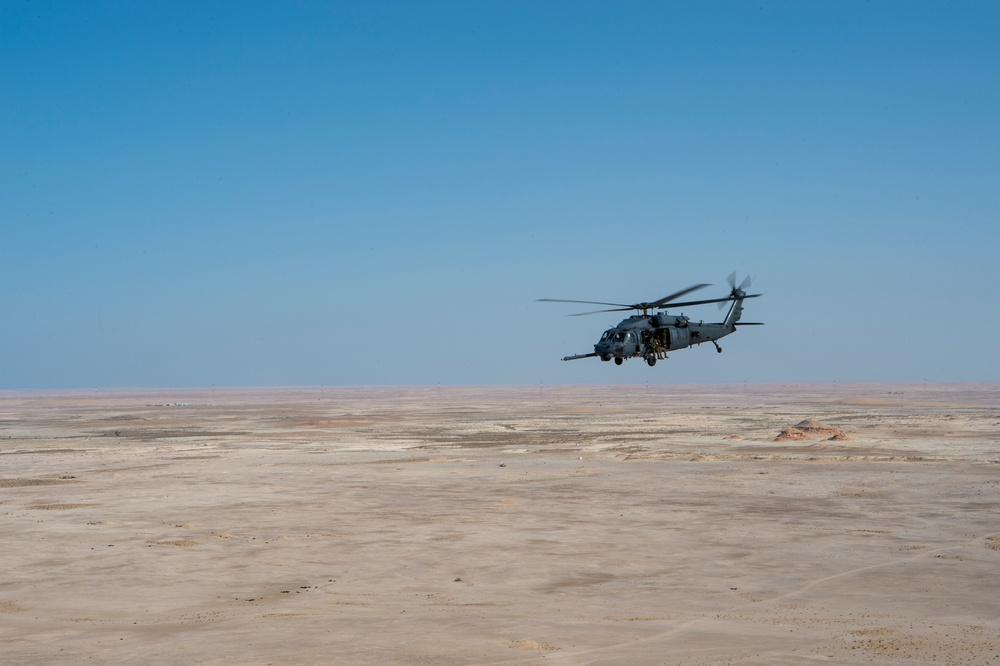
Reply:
x=734 y=291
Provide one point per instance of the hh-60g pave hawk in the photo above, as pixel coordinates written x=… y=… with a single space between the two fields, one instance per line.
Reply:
x=651 y=336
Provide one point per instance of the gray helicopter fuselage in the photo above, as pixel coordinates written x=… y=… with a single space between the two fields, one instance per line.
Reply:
x=652 y=336
x=641 y=335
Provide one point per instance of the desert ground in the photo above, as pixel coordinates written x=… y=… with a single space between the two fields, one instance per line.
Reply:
x=749 y=524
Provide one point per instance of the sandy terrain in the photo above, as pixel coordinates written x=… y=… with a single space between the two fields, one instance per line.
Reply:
x=587 y=525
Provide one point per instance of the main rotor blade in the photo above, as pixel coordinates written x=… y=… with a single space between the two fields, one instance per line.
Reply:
x=666 y=299
x=627 y=308
x=631 y=306
x=711 y=300
x=663 y=302
x=563 y=300
x=669 y=306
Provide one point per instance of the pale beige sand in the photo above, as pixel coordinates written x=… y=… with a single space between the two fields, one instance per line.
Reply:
x=597 y=525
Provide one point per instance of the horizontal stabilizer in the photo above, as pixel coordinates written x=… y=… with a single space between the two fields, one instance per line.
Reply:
x=749 y=323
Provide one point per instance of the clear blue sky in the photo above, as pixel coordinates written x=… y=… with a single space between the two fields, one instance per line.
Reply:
x=211 y=193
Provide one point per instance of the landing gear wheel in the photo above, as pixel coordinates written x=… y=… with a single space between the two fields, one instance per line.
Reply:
x=651 y=360
x=619 y=360
x=717 y=347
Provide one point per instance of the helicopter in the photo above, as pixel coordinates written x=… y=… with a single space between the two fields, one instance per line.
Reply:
x=651 y=336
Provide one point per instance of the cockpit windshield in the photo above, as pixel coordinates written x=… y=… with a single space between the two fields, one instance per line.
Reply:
x=615 y=335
